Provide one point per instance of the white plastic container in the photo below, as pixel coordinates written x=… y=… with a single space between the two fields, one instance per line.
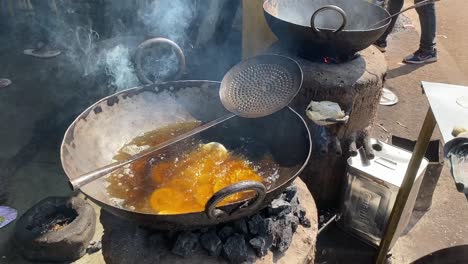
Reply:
x=371 y=189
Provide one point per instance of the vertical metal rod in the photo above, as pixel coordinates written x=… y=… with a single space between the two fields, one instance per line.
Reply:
x=405 y=189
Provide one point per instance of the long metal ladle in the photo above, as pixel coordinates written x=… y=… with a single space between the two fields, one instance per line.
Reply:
x=422 y=3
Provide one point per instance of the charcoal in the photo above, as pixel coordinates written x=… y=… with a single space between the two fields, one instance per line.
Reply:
x=225 y=232
x=212 y=243
x=94 y=246
x=294 y=202
x=186 y=244
x=292 y=220
x=156 y=239
x=290 y=193
x=205 y=229
x=235 y=249
x=240 y=226
x=284 y=238
x=269 y=227
x=301 y=214
x=171 y=235
x=305 y=222
x=279 y=207
x=256 y=223
x=261 y=245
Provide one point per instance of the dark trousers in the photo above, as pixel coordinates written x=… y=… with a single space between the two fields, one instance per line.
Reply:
x=427 y=19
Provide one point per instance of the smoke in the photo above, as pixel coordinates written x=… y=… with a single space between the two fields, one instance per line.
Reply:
x=164 y=18
x=71 y=27
x=169 y=18
x=119 y=67
x=91 y=36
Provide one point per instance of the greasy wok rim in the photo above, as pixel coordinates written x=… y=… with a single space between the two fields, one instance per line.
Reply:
x=87 y=110
x=265 y=9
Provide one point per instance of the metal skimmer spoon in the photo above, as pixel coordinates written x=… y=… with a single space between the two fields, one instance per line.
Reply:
x=256 y=87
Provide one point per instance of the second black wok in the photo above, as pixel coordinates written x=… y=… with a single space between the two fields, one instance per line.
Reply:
x=325 y=28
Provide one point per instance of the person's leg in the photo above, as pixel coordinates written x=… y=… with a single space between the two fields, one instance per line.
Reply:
x=427 y=19
x=426 y=52
x=393 y=6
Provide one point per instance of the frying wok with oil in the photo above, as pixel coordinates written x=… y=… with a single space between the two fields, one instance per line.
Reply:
x=99 y=132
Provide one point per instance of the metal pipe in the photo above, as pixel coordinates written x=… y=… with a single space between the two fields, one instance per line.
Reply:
x=336 y=144
x=405 y=189
x=335 y=218
x=323 y=148
x=352 y=149
x=368 y=147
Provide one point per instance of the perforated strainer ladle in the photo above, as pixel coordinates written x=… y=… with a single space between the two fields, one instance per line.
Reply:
x=256 y=87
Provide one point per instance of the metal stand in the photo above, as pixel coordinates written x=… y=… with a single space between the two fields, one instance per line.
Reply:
x=413 y=166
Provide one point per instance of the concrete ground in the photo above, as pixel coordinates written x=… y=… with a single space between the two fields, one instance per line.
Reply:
x=32 y=169
x=444 y=225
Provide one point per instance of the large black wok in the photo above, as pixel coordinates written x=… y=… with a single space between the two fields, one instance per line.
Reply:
x=99 y=132
x=335 y=28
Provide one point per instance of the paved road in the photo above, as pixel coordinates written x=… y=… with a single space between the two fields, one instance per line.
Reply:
x=452 y=24
x=441 y=227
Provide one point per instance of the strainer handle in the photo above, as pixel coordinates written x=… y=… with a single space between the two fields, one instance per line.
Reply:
x=153 y=42
x=330 y=7
x=215 y=213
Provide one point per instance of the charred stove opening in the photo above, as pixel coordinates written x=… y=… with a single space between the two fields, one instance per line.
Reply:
x=54 y=220
x=319 y=58
x=336 y=60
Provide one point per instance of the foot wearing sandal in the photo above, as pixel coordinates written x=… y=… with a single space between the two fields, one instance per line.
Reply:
x=421 y=56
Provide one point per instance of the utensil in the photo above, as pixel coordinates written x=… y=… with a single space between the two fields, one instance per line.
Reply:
x=325 y=28
x=257 y=87
x=388 y=97
x=261 y=85
x=328 y=28
x=100 y=131
x=422 y=3
x=155 y=42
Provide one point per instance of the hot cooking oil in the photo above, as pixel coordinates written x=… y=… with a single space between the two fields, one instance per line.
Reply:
x=184 y=177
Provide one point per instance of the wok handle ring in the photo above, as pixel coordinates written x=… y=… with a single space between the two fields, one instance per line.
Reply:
x=330 y=7
x=153 y=42
x=215 y=213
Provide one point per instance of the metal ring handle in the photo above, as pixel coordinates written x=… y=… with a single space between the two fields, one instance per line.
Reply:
x=152 y=42
x=215 y=213
x=330 y=7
